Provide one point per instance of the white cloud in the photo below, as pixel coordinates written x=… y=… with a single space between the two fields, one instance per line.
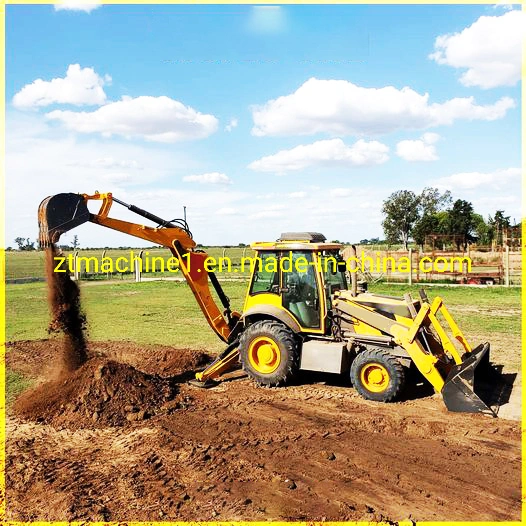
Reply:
x=508 y=6
x=75 y=5
x=208 y=178
x=39 y=159
x=490 y=49
x=488 y=191
x=340 y=192
x=159 y=119
x=297 y=195
x=321 y=153
x=227 y=211
x=80 y=86
x=117 y=178
x=338 y=107
x=422 y=149
x=231 y=125
x=108 y=162
x=42 y=160
x=274 y=211
x=266 y=19
x=496 y=180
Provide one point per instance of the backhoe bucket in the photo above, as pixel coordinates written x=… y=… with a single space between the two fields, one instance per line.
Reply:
x=58 y=214
x=460 y=386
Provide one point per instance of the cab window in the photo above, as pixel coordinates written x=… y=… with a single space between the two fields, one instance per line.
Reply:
x=333 y=266
x=300 y=292
x=266 y=274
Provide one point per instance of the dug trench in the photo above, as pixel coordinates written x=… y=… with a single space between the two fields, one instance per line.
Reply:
x=125 y=437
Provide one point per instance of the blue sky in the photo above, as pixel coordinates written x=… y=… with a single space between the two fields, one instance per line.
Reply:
x=261 y=120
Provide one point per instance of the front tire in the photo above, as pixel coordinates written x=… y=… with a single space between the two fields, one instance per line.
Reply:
x=269 y=353
x=377 y=375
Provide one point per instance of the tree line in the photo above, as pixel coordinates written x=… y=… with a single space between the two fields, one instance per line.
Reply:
x=408 y=215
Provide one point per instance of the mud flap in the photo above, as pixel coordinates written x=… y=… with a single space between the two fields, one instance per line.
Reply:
x=58 y=214
x=459 y=389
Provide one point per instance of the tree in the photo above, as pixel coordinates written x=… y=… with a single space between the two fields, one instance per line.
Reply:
x=462 y=223
x=401 y=211
x=430 y=203
x=25 y=243
x=499 y=223
x=428 y=224
x=483 y=230
x=75 y=242
x=20 y=241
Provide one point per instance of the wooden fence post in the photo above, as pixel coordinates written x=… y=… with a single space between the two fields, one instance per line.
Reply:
x=138 y=268
x=354 y=282
x=410 y=280
x=103 y=256
x=76 y=269
x=507 y=267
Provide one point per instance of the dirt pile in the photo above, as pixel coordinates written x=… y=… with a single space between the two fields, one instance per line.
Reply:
x=154 y=359
x=30 y=357
x=67 y=315
x=100 y=393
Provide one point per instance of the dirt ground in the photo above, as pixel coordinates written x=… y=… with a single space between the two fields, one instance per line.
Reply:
x=126 y=438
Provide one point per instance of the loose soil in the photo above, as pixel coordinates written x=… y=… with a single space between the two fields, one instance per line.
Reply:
x=313 y=451
x=101 y=393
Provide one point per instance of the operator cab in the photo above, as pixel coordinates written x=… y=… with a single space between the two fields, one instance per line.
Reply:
x=297 y=274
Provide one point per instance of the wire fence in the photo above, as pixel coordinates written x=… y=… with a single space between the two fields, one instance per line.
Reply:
x=491 y=267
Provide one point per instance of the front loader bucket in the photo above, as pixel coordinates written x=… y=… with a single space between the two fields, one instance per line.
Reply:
x=58 y=214
x=460 y=386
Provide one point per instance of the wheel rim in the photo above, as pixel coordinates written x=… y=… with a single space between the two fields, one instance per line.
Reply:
x=264 y=355
x=374 y=377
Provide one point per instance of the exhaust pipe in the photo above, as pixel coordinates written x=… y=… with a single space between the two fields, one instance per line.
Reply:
x=58 y=214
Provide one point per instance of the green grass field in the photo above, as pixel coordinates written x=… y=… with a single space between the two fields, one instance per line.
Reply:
x=149 y=312
x=165 y=312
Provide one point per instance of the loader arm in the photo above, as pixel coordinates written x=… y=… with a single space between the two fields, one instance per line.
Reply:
x=62 y=212
x=449 y=372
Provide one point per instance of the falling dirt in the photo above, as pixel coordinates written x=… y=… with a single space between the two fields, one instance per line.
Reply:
x=239 y=452
x=67 y=315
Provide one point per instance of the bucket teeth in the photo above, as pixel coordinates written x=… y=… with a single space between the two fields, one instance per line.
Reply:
x=58 y=214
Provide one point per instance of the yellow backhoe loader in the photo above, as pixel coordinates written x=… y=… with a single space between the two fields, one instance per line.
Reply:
x=302 y=316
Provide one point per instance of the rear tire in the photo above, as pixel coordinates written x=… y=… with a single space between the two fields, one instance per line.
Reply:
x=269 y=353
x=377 y=375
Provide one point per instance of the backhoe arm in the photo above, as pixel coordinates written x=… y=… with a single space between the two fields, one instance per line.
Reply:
x=62 y=212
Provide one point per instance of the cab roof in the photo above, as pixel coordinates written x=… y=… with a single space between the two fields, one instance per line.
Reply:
x=297 y=241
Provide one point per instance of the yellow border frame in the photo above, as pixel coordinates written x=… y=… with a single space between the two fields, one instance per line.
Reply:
x=3 y=3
